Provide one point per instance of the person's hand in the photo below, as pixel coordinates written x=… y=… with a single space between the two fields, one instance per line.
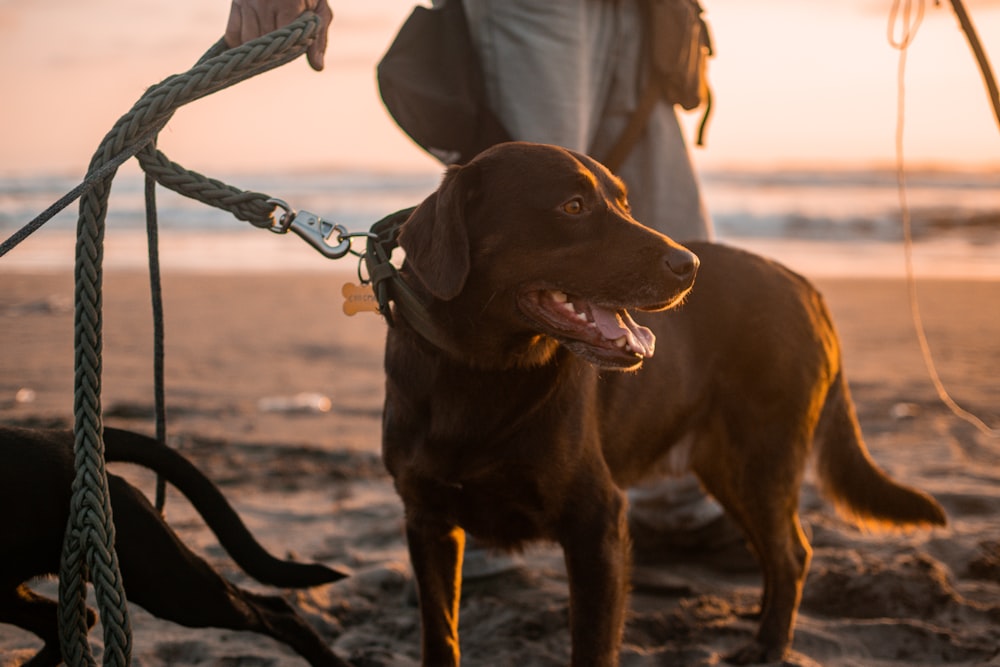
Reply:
x=249 y=19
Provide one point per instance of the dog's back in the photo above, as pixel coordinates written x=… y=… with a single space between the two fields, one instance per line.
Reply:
x=753 y=348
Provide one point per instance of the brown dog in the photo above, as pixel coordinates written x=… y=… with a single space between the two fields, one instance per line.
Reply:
x=516 y=428
x=159 y=572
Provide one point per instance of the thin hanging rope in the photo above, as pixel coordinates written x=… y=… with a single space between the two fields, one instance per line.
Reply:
x=906 y=28
x=156 y=298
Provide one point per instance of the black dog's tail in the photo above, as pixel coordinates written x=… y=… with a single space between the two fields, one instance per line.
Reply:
x=128 y=447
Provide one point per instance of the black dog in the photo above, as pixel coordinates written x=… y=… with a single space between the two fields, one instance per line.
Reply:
x=159 y=572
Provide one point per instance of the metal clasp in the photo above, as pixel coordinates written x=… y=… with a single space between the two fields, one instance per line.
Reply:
x=313 y=230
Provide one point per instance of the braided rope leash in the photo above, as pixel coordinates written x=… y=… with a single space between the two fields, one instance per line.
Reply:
x=88 y=549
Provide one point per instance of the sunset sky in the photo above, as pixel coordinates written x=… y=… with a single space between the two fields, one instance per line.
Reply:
x=796 y=83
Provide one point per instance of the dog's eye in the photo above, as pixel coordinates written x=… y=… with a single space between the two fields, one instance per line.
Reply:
x=573 y=206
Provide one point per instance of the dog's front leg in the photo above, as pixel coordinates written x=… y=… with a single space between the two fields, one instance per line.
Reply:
x=597 y=552
x=436 y=550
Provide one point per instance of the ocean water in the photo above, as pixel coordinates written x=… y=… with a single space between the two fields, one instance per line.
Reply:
x=845 y=222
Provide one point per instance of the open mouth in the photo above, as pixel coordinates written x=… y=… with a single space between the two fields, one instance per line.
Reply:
x=606 y=335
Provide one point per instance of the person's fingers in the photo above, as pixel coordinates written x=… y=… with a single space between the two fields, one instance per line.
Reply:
x=317 y=49
x=234 y=26
x=250 y=27
x=278 y=14
x=244 y=22
x=249 y=19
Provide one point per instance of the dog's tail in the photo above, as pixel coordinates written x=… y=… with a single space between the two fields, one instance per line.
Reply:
x=128 y=447
x=848 y=476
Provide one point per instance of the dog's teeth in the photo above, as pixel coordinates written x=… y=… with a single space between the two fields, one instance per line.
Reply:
x=621 y=341
x=561 y=299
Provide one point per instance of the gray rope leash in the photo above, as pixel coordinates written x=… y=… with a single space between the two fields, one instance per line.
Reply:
x=88 y=549
x=253 y=207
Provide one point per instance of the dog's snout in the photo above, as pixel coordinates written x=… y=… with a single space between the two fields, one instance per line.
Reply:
x=682 y=263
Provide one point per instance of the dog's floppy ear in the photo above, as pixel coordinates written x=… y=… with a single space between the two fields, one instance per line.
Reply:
x=435 y=238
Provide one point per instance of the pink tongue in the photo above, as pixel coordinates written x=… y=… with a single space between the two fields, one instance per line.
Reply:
x=615 y=325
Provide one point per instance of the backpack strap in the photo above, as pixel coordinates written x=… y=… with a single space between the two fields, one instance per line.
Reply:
x=640 y=118
x=678 y=47
x=636 y=126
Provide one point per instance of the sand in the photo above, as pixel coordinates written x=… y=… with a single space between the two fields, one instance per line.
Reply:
x=310 y=482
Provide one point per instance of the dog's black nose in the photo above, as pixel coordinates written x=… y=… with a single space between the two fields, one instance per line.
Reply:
x=683 y=263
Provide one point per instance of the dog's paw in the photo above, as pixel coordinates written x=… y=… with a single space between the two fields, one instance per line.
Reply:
x=756 y=653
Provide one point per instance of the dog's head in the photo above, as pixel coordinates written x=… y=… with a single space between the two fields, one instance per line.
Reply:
x=529 y=246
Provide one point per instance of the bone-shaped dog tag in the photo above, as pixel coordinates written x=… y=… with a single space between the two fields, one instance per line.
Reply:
x=358 y=298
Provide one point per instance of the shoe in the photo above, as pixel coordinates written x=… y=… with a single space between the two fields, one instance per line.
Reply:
x=481 y=563
x=673 y=519
x=718 y=544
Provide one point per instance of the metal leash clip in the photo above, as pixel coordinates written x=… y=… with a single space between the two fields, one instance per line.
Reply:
x=312 y=229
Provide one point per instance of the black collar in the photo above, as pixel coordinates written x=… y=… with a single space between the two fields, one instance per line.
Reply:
x=394 y=296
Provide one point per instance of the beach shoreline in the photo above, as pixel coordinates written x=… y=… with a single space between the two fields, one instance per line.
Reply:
x=945 y=256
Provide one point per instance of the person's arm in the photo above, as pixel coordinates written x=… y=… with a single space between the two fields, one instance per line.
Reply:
x=249 y=19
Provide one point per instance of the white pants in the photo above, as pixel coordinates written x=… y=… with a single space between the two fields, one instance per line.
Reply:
x=570 y=72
